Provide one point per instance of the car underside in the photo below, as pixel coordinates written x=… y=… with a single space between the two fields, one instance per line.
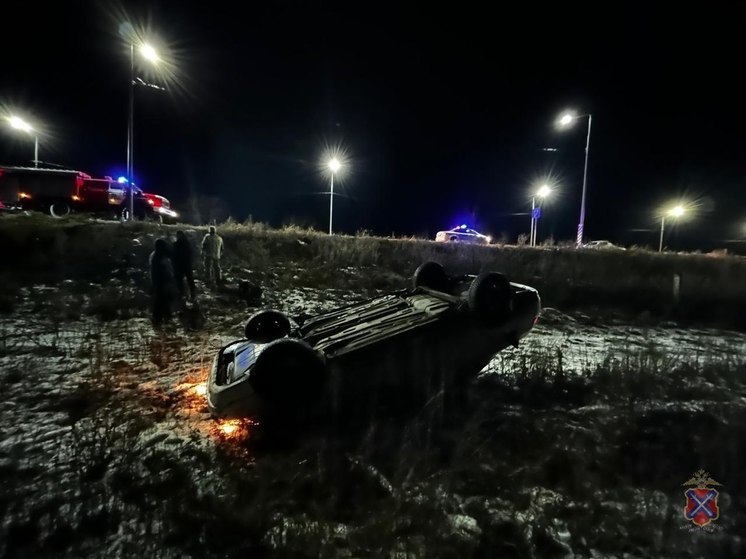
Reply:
x=435 y=336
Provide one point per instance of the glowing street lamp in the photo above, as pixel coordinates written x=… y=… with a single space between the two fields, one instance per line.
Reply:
x=565 y=120
x=675 y=213
x=19 y=124
x=147 y=52
x=541 y=193
x=334 y=165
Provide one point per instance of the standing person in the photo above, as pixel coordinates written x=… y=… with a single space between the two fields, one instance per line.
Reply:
x=183 y=265
x=162 y=278
x=212 y=250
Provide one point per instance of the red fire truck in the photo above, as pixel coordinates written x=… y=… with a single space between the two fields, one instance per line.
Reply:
x=60 y=192
x=161 y=206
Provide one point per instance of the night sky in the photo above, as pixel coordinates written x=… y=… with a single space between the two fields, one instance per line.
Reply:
x=444 y=112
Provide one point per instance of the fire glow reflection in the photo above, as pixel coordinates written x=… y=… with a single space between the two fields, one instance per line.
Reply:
x=229 y=427
x=234 y=429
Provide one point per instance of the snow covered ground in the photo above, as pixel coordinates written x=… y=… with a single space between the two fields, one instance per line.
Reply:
x=105 y=437
x=583 y=344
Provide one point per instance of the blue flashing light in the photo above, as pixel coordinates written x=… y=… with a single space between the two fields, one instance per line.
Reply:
x=463 y=227
x=122 y=180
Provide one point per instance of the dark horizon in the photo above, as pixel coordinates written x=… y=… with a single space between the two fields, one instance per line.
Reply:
x=445 y=116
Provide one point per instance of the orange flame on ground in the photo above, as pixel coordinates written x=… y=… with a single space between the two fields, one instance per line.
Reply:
x=193 y=394
x=229 y=427
x=235 y=429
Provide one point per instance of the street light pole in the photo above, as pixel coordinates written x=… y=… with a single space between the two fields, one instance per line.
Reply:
x=566 y=120
x=131 y=133
x=675 y=213
x=531 y=240
x=333 y=165
x=331 y=203
x=20 y=124
x=541 y=193
x=581 y=223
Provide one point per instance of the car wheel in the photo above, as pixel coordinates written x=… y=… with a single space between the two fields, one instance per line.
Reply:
x=266 y=326
x=289 y=375
x=59 y=209
x=491 y=298
x=431 y=275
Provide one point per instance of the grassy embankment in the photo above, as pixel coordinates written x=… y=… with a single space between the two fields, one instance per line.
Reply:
x=542 y=463
x=639 y=283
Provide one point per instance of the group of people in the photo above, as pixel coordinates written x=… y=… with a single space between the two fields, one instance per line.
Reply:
x=172 y=268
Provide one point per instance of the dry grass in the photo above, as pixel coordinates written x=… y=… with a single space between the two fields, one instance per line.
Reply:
x=635 y=281
x=598 y=467
x=541 y=464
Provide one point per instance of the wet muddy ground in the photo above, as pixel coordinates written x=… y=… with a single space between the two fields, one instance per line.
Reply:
x=575 y=444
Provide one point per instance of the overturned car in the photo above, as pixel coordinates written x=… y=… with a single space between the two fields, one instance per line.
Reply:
x=431 y=338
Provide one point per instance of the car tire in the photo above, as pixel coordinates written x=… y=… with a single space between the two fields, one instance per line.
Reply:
x=491 y=298
x=289 y=376
x=59 y=210
x=431 y=275
x=267 y=326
